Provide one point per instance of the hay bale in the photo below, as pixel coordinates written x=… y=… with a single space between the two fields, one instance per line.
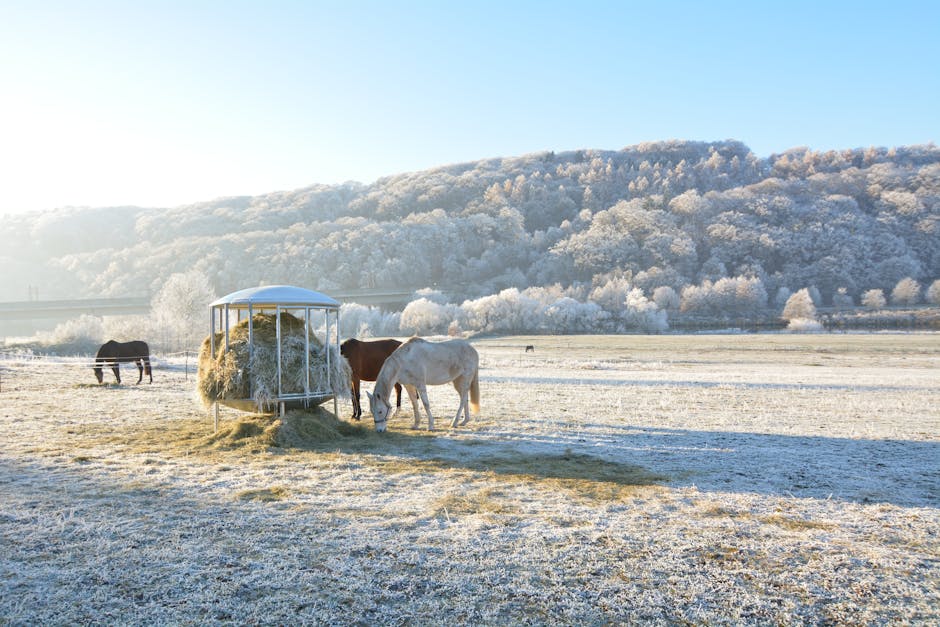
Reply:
x=247 y=379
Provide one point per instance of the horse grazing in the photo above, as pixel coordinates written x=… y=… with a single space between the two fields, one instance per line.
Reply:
x=418 y=363
x=365 y=360
x=116 y=353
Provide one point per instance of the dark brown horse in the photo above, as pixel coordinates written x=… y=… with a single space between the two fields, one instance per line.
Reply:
x=365 y=360
x=116 y=353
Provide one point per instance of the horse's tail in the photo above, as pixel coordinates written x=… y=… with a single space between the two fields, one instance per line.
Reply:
x=475 y=392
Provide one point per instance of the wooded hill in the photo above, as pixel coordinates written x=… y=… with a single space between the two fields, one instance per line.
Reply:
x=675 y=213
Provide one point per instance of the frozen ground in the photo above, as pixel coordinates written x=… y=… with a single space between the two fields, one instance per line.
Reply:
x=664 y=479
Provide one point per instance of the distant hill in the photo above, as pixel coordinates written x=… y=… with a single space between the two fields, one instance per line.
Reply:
x=674 y=213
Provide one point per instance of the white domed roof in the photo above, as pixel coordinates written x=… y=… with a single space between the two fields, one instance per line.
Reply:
x=272 y=295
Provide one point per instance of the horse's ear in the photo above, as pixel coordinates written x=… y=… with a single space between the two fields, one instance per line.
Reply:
x=369 y=395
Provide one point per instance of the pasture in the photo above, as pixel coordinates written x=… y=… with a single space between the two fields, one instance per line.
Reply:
x=713 y=479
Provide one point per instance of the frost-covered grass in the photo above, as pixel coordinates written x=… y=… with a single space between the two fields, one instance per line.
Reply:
x=705 y=479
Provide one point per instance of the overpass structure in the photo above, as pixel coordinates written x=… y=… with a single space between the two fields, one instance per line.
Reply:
x=375 y=296
x=137 y=305
x=33 y=309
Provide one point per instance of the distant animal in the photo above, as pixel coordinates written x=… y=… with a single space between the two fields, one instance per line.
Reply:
x=418 y=363
x=365 y=360
x=116 y=353
x=530 y=349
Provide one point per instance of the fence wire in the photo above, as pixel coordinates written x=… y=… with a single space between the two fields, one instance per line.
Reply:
x=57 y=361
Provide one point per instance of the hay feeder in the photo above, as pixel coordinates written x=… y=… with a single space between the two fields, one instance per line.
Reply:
x=240 y=334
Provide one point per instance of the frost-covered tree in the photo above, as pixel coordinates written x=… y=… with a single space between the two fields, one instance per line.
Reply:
x=906 y=292
x=424 y=317
x=725 y=297
x=750 y=296
x=612 y=292
x=510 y=311
x=568 y=315
x=641 y=314
x=666 y=298
x=79 y=335
x=842 y=299
x=933 y=293
x=874 y=299
x=360 y=321
x=799 y=306
x=180 y=310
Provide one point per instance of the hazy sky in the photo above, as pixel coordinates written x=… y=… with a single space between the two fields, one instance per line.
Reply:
x=165 y=103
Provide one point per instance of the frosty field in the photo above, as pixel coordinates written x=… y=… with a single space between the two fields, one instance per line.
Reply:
x=713 y=479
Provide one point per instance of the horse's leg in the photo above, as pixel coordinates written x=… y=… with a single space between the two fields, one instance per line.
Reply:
x=465 y=399
x=140 y=370
x=423 y=392
x=116 y=369
x=463 y=391
x=398 y=393
x=148 y=370
x=465 y=396
x=357 y=408
x=463 y=384
x=413 y=395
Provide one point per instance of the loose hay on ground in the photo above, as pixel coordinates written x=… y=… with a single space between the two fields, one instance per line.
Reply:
x=298 y=429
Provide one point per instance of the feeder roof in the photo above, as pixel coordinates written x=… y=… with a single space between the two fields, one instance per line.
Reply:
x=273 y=295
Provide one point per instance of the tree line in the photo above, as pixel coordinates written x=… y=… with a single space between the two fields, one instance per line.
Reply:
x=692 y=228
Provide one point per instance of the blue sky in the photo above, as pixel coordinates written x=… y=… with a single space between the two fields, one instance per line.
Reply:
x=164 y=103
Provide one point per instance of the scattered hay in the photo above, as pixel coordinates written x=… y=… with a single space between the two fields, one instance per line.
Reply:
x=244 y=372
x=251 y=433
x=298 y=429
x=306 y=429
x=264 y=495
x=489 y=503
x=796 y=524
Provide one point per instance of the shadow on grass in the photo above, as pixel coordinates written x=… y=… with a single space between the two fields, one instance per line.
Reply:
x=606 y=461
x=420 y=451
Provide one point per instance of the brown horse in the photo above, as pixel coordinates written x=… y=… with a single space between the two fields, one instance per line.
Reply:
x=116 y=353
x=365 y=360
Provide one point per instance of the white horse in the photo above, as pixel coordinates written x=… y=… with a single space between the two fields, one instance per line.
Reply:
x=418 y=363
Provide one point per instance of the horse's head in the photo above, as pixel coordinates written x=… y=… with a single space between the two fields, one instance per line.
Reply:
x=98 y=374
x=380 y=410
